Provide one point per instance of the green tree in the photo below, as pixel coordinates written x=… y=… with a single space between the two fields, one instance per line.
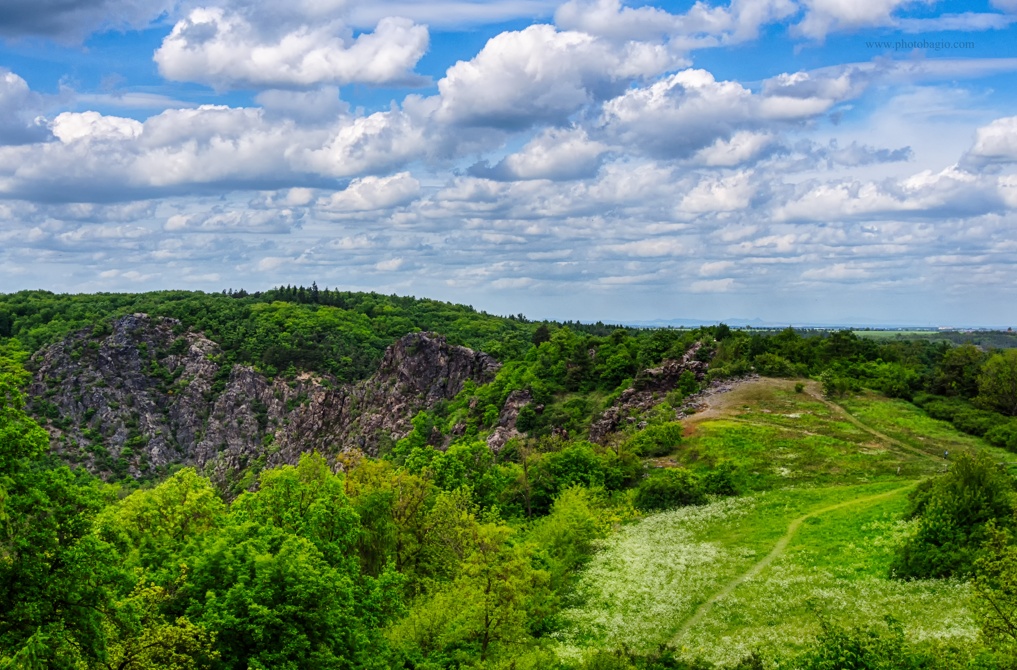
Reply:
x=541 y=334
x=154 y=525
x=997 y=384
x=486 y=611
x=954 y=514
x=957 y=372
x=57 y=578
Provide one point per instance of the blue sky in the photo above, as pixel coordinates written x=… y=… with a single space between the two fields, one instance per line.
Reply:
x=792 y=160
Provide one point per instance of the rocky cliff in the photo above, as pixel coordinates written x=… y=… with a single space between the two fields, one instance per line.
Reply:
x=150 y=394
x=649 y=388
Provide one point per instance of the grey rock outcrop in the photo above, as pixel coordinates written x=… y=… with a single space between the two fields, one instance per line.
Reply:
x=150 y=394
x=649 y=389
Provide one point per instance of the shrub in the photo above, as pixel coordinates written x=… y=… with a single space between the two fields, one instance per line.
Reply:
x=721 y=480
x=799 y=387
x=1003 y=435
x=772 y=365
x=672 y=488
x=657 y=440
x=954 y=511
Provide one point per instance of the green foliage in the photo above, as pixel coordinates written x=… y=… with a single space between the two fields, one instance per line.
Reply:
x=870 y=648
x=152 y=525
x=997 y=383
x=773 y=365
x=953 y=515
x=55 y=576
x=656 y=439
x=564 y=539
x=1003 y=435
x=674 y=487
x=341 y=333
x=996 y=586
x=578 y=464
x=957 y=372
x=486 y=611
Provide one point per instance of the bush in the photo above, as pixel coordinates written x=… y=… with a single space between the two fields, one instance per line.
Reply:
x=772 y=365
x=657 y=440
x=954 y=512
x=1003 y=435
x=721 y=480
x=671 y=488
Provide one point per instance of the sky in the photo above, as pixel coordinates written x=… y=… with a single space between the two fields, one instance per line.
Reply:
x=798 y=161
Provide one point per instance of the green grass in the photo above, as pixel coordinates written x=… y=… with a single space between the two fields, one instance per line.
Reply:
x=909 y=424
x=785 y=438
x=696 y=579
x=651 y=577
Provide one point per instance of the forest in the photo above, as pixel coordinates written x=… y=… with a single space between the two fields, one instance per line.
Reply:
x=441 y=552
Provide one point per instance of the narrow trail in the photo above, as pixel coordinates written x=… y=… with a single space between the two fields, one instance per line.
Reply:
x=857 y=423
x=777 y=550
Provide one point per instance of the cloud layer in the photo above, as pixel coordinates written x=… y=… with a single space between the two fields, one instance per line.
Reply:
x=586 y=167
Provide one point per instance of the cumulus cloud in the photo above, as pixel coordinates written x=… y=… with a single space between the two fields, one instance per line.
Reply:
x=948 y=192
x=542 y=75
x=743 y=146
x=99 y=157
x=556 y=153
x=373 y=193
x=227 y=49
x=72 y=20
x=995 y=143
x=690 y=111
x=20 y=111
x=720 y=194
x=649 y=248
x=451 y=13
x=836 y=272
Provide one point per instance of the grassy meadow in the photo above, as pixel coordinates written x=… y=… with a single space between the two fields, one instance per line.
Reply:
x=813 y=539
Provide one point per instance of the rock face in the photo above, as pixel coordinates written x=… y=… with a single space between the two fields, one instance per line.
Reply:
x=648 y=389
x=505 y=429
x=150 y=394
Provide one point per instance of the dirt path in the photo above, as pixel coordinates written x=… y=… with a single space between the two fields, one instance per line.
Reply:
x=813 y=391
x=777 y=550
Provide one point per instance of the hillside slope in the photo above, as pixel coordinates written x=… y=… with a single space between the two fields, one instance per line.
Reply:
x=152 y=394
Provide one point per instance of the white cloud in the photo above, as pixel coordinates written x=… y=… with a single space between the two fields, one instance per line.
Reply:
x=649 y=248
x=20 y=110
x=225 y=49
x=995 y=143
x=836 y=272
x=556 y=153
x=701 y=26
x=389 y=265
x=713 y=285
x=690 y=111
x=316 y=106
x=102 y=157
x=451 y=13
x=715 y=268
x=540 y=74
x=826 y=16
x=720 y=193
x=742 y=147
x=373 y=193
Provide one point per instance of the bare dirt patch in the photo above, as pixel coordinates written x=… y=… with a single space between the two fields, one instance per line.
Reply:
x=733 y=398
